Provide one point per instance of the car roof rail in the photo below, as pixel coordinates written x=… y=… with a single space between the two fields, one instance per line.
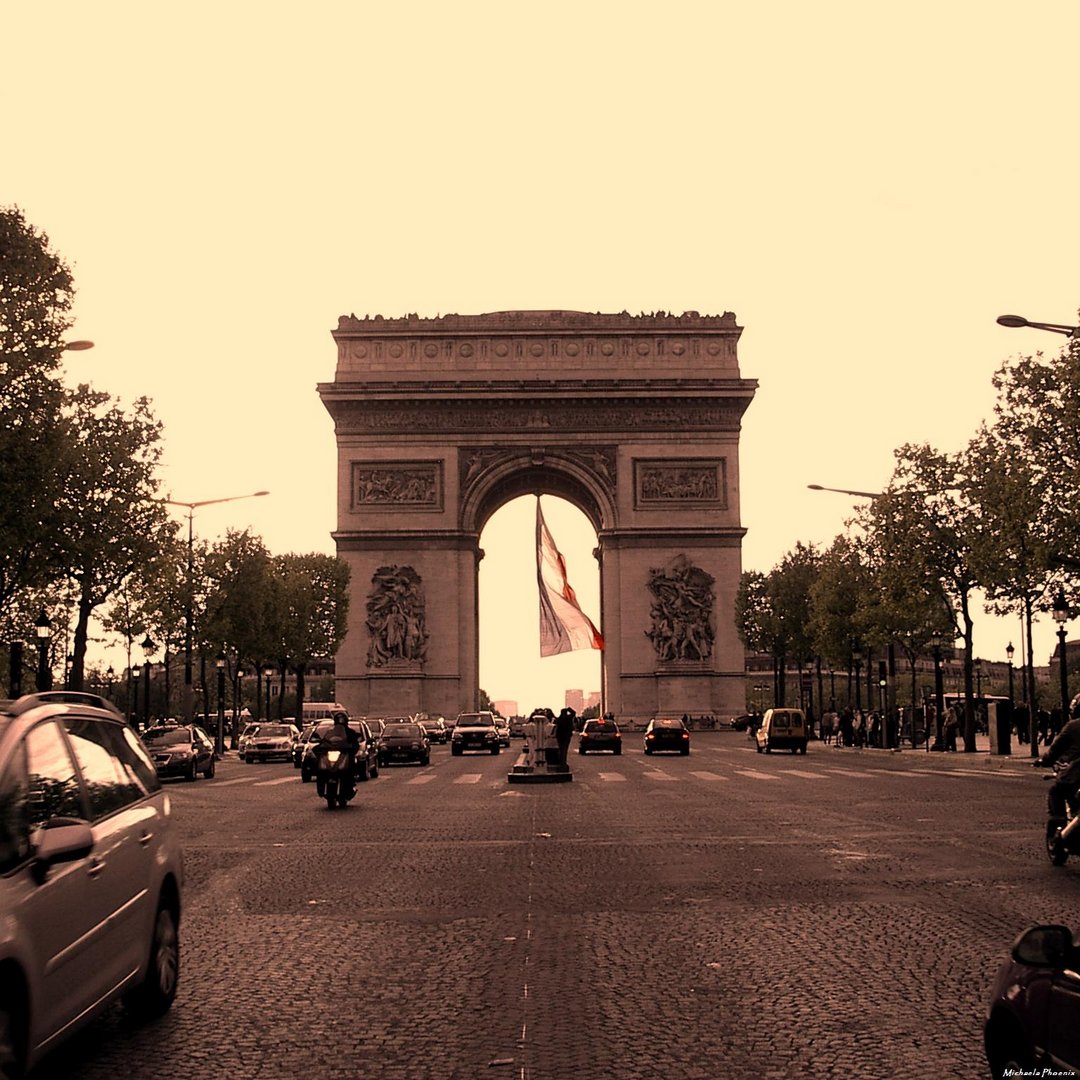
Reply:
x=62 y=697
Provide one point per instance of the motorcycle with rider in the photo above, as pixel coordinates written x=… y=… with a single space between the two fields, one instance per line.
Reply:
x=335 y=762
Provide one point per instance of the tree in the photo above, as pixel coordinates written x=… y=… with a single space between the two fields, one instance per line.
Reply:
x=932 y=528
x=315 y=606
x=113 y=523
x=36 y=293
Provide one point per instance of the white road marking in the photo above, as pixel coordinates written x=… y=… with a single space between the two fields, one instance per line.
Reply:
x=469 y=778
x=753 y=774
x=707 y=775
x=612 y=776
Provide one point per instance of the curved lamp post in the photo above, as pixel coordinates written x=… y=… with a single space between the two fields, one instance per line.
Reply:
x=1016 y=321
x=189 y=604
x=42 y=630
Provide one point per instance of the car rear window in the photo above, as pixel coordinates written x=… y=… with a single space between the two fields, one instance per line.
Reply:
x=408 y=730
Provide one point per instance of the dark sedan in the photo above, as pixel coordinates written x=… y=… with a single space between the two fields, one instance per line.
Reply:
x=180 y=751
x=600 y=735
x=404 y=743
x=667 y=734
x=1033 y=1023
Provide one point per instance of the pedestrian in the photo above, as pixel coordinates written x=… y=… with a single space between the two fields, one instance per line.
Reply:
x=564 y=729
x=828 y=726
x=847 y=727
x=873 y=736
x=859 y=734
x=952 y=723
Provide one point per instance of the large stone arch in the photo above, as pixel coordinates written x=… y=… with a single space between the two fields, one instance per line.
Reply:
x=634 y=419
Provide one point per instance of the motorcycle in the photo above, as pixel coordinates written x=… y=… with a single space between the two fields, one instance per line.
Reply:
x=334 y=780
x=1063 y=836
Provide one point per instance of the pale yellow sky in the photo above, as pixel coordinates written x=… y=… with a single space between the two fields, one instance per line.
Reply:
x=866 y=186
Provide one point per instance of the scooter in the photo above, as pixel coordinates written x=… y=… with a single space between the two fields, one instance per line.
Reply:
x=1063 y=836
x=334 y=780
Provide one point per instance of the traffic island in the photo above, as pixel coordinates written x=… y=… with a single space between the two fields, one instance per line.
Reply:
x=538 y=763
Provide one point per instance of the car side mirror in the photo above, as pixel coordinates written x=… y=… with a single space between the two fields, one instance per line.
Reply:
x=61 y=840
x=1044 y=946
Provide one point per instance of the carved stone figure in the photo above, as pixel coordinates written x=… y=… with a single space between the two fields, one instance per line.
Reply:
x=395 y=484
x=395 y=616
x=683 y=599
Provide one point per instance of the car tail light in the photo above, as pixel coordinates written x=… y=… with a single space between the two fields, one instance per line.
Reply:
x=686 y=734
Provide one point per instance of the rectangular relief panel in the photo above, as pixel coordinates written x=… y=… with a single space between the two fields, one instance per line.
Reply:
x=396 y=485
x=692 y=483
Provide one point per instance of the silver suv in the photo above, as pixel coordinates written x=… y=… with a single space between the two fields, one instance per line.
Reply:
x=474 y=731
x=90 y=873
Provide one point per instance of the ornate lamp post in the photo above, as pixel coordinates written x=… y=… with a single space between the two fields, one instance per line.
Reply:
x=857 y=659
x=43 y=628
x=1061 y=617
x=110 y=678
x=268 y=674
x=148 y=648
x=219 y=663
x=238 y=699
x=1009 y=652
x=133 y=695
x=936 y=643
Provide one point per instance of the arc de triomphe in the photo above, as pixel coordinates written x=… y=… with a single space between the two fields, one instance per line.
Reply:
x=633 y=419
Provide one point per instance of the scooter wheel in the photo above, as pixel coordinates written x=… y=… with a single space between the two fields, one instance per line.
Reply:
x=1055 y=848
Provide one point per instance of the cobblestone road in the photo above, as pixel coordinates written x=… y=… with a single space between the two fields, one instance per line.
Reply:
x=722 y=915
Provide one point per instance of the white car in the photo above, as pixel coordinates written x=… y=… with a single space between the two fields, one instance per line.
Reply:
x=267 y=741
x=90 y=873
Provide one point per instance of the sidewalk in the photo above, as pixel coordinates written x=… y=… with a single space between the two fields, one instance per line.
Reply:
x=1019 y=758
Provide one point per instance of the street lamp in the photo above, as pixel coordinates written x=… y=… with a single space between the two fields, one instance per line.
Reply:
x=1009 y=651
x=238 y=698
x=189 y=605
x=936 y=642
x=1061 y=617
x=219 y=663
x=856 y=659
x=1014 y=321
x=268 y=674
x=43 y=628
x=148 y=648
x=133 y=695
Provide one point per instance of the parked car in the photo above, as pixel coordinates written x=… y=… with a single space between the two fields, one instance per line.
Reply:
x=367 y=754
x=184 y=750
x=435 y=729
x=404 y=741
x=665 y=733
x=1033 y=1019
x=782 y=729
x=517 y=727
x=503 y=728
x=267 y=742
x=474 y=731
x=90 y=874
x=600 y=734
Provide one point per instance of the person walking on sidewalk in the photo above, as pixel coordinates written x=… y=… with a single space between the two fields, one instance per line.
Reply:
x=952 y=723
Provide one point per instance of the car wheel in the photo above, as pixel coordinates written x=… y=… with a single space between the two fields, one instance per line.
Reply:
x=618 y=750
x=581 y=749
x=375 y=770
x=768 y=749
x=495 y=749
x=154 y=995
x=757 y=747
x=210 y=770
x=685 y=751
x=426 y=759
x=802 y=749
x=1008 y=1053
x=364 y=772
x=648 y=750
x=193 y=772
x=12 y=1038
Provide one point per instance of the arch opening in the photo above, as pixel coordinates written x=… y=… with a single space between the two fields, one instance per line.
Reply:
x=510 y=667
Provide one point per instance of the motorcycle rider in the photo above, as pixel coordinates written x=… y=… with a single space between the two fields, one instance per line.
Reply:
x=339 y=737
x=1066 y=747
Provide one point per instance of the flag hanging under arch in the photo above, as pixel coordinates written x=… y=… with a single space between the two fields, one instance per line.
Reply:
x=564 y=627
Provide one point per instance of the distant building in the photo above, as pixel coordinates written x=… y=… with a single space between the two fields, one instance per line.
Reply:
x=592 y=699
x=506 y=708
x=575 y=699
